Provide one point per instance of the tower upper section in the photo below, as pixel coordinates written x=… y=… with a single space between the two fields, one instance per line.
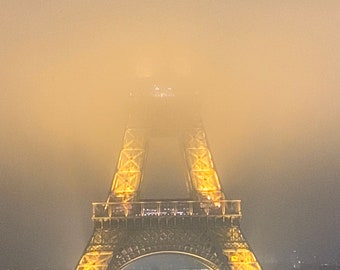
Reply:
x=163 y=112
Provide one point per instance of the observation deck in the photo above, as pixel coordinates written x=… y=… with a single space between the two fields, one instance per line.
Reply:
x=166 y=212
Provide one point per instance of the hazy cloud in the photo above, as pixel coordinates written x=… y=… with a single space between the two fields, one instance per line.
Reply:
x=267 y=74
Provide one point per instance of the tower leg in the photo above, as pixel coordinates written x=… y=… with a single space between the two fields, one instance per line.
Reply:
x=235 y=247
x=216 y=247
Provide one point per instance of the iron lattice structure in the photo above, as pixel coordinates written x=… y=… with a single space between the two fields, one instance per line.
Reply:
x=207 y=227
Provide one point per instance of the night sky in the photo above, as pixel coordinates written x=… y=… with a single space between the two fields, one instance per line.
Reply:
x=268 y=76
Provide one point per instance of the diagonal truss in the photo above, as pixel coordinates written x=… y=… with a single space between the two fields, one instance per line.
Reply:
x=237 y=250
x=127 y=179
x=95 y=260
x=204 y=181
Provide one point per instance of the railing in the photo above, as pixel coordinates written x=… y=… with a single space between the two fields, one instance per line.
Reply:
x=112 y=210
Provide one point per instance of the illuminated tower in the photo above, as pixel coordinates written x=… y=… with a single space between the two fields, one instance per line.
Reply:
x=206 y=227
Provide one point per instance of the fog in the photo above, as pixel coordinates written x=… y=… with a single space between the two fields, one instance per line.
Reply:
x=268 y=78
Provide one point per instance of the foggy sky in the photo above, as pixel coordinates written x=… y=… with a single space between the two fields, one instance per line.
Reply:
x=268 y=76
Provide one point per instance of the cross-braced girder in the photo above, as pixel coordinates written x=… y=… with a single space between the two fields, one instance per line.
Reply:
x=236 y=248
x=95 y=260
x=127 y=179
x=204 y=180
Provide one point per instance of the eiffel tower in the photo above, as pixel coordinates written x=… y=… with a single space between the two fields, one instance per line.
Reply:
x=205 y=227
